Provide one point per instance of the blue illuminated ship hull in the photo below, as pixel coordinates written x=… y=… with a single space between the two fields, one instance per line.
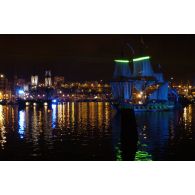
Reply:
x=156 y=107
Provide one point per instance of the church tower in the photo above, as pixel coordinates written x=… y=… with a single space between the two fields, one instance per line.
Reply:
x=48 y=82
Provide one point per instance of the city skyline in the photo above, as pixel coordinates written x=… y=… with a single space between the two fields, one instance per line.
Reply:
x=108 y=97
x=91 y=57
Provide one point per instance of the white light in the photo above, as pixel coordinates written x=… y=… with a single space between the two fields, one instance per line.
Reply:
x=139 y=95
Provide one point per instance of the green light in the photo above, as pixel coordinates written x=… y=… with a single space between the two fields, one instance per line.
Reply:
x=122 y=61
x=118 y=153
x=142 y=58
x=143 y=156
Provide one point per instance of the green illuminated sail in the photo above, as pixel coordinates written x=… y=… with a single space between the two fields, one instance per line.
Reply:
x=141 y=58
x=122 y=61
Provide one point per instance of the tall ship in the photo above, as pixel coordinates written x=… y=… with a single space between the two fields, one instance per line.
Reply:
x=140 y=88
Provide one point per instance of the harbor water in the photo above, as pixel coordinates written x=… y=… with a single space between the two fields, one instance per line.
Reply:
x=92 y=131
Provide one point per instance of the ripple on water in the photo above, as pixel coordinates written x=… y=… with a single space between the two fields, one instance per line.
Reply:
x=87 y=131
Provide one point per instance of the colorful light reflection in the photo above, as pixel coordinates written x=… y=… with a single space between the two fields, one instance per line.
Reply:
x=54 y=107
x=22 y=124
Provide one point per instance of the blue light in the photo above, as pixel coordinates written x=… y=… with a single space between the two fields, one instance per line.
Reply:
x=54 y=107
x=54 y=101
x=21 y=124
x=21 y=92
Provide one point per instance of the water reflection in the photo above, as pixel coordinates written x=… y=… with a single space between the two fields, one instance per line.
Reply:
x=187 y=121
x=21 y=121
x=54 y=107
x=125 y=135
x=154 y=131
x=69 y=131
x=2 y=127
x=162 y=135
x=86 y=131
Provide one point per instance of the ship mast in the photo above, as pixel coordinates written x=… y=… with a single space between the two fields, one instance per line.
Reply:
x=122 y=83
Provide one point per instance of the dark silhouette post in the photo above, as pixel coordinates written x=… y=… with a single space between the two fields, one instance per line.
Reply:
x=129 y=135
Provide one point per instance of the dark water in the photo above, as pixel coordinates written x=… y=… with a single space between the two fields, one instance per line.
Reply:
x=88 y=131
x=167 y=135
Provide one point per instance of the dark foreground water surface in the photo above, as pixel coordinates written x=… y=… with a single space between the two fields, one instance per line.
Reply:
x=91 y=131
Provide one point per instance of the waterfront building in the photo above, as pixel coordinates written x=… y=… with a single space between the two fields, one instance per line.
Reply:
x=34 y=81
x=58 y=81
x=48 y=81
x=20 y=82
x=60 y=91
x=5 y=91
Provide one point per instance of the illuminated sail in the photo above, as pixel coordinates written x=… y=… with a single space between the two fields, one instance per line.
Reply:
x=139 y=85
x=161 y=93
x=116 y=90
x=127 y=90
x=122 y=69
x=121 y=90
x=150 y=83
x=159 y=77
x=142 y=67
x=173 y=94
x=121 y=86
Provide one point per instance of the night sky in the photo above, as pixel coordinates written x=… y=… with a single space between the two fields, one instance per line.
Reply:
x=90 y=57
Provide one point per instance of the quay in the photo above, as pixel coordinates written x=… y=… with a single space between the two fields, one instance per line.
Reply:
x=29 y=103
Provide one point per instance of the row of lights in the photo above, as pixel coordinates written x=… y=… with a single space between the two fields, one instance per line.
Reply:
x=34 y=104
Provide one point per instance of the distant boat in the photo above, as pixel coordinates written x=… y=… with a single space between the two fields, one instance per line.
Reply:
x=141 y=89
